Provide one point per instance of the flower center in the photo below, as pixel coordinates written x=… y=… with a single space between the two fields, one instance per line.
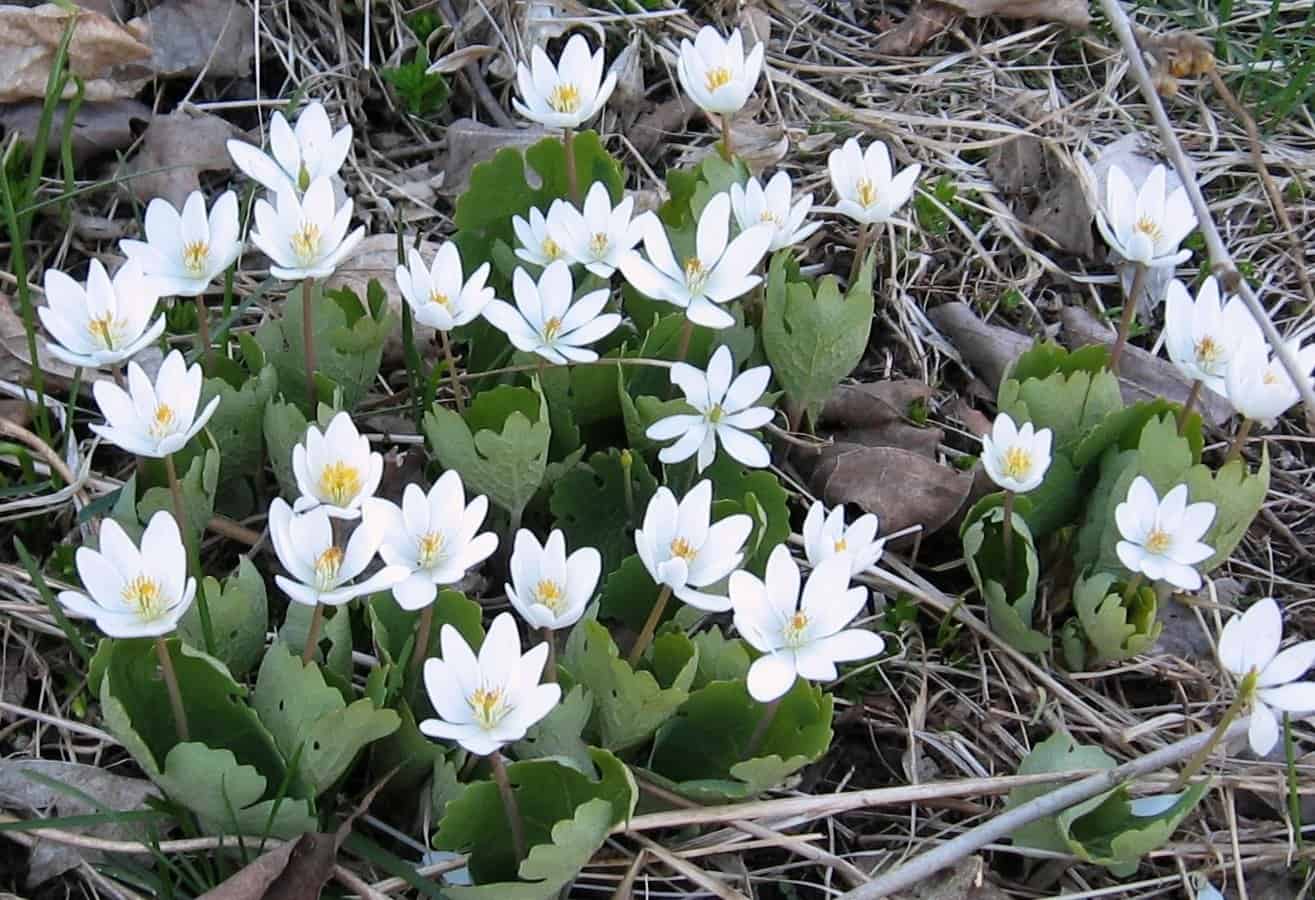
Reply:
x=1149 y=227
x=1209 y=352
x=1017 y=462
x=682 y=548
x=598 y=244
x=718 y=77
x=339 y=482
x=769 y=217
x=1159 y=541
x=551 y=329
x=551 y=249
x=716 y=414
x=841 y=545
x=793 y=633
x=439 y=298
x=565 y=98
x=327 y=565
x=144 y=595
x=103 y=329
x=162 y=422
x=867 y=192
x=429 y=549
x=696 y=275
x=306 y=242
x=549 y=593
x=195 y=256
x=1270 y=378
x=489 y=706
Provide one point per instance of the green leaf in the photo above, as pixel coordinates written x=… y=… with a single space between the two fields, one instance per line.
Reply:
x=421 y=92
x=629 y=594
x=556 y=383
x=239 y=613
x=547 y=792
x=813 y=339
x=284 y=426
x=720 y=658
x=560 y=734
x=701 y=750
x=1073 y=396
x=641 y=412
x=236 y=427
x=336 y=631
x=1057 y=753
x=506 y=464
x=411 y=757
x=311 y=722
x=1109 y=833
x=1009 y=606
x=1238 y=495
x=199 y=485
x=593 y=508
x=759 y=493
x=1116 y=629
x=628 y=705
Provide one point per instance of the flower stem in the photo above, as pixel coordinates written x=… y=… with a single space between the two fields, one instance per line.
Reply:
x=313 y=634
x=171 y=684
x=446 y=341
x=1245 y=691
x=727 y=152
x=1129 y=315
x=308 y=341
x=650 y=625
x=1007 y=532
x=1132 y=587
x=865 y=235
x=550 y=667
x=1294 y=796
x=424 y=627
x=509 y=804
x=193 y=553
x=1192 y=397
x=1235 y=448
x=572 y=176
x=627 y=460
x=764 y=723
x=686 y=333
x=202 y=329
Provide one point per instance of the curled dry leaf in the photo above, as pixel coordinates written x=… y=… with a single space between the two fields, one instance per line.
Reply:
x=459 y=59
x=988 y=350
x=109 y=58
x=1043 y=192
x=931 y=17
x=175 y=150
x=97 y=128
x=188 y=37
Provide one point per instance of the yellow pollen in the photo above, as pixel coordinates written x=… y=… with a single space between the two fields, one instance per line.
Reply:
x=551 y=249
x=1017 y=462
x=565 y=98
x=1149 y=227
x=793 y=632
x=696 y=275
x=1208 y=351
x=195 y=255
x=102 y=328
x=551 y=328
x=327 y=565
x=769 y=217
x=718 y=77
x=488 y=705
x=841 y=545
x=1270 y=378
x=439 y=298
x=867 y=192
x=549 y=593
x=599 y=243
x=143 y=594
x=162 y=422
x=682 y=548
x=430 y=548
x=339 y=483
x=1158 y=541
x=306 y=242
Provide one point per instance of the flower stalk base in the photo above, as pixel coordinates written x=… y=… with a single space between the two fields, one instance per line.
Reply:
x=312 y=634
x=650 y=625
x=1245 y=693
x=424 y=629
x=1129 y=315
x=509 y=804
x=193 y=553
x=308 y=339
x=171 y=685
x=761 y=729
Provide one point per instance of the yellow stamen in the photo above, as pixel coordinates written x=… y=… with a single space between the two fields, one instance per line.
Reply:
x=841 y=545
x=339 y=483
x=162 y=422
x=793 y=633
x=144 y=595
x=768 y=217
x=867 y=193
x=599 y=243
x=430 y=549
x=439 y=298
x=551 y=329
x=1209 y=352
x=696 y=275
x=1270 y=378
x=682 y=548
x=195 y=255
x=716 y=414
x=718 y=77
x=551 y=249
x=1158 y=541
x=1017 y=463
x=1149 y=227
x=550 y=594
x=488 y=705
x=306 y=242
x=327 y=565
x=102 y=329
x=565 y=98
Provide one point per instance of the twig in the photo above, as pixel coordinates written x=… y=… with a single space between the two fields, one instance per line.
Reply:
x=11 y=429
x=922 y=867
x=689 y=870
x=1220 y=259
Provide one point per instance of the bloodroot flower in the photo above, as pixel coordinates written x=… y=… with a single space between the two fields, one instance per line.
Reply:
x=1249 y=648
x=184 y=253
x=1203 y=336
x=1145 y=226
x=336 y=469
x=104 y=323
x=548 y=588
x=1016 y=458
x=565 y=95
x=312 y=150
x=322 y=571
x=154 y=420
x=826 y=535
x=439 y=295
x=1162 y=538
x=305 y=236
x=714 y=71
x=682 y=548
x=547 y=321
x=865 y=182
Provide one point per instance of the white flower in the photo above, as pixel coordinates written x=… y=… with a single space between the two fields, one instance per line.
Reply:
x=439 y=295
x=1145 y=226
x=541 y=236
x=323 y=572
x=1162 y=538
x=869 y=192
x=1258 y=385
x=184 y=253
x=565 y=95
x=487 y=702
x=548 y=588
x=799 y=636
x=1202 y=337
x=826 y=536
x=313 y=150
x=718 y=272
x=1249 y=644
x=682 y=548
x=724 y=412
x=104 y=323
x=1016 y=458
x=601 y=235
x=153 y=420
x=133 y=593
x=336 y=469
x=714 y=72
x=433 y=536
x=755 y=205
x=546 y=321
x=304 y=237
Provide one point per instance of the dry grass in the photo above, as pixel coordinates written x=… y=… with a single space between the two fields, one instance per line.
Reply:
x=966 y=708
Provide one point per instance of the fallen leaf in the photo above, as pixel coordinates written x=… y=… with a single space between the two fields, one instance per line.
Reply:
x=988 y=350
x=459 y=59
x=656 y=127
x=175 y=150
x=97 y=128
x=188 y=37
x=1045 y=194
x=965 y=881
x=109 y=58
x=20 y=792
x=917 y=29
x=902 y=487
x=931 y=17
x=1063 y=216
x=252 y=880
x=877 y=415
x=470 y=142
x=760 y=146
x=1142 y=375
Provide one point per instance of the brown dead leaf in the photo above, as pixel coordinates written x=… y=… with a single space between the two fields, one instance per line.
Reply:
x=987 y=349
x=459 y=59
x=877 y=415
x=252 y=881
x=916 y=30
x=175 y=150
x=656 y=127
x=1044 y=194
x=188 y=37
x=902 y=487
x=470 y=142
x=965 y=881
x=760 y=146
x=931 y=17
x=109 y=58
x=98 y=127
